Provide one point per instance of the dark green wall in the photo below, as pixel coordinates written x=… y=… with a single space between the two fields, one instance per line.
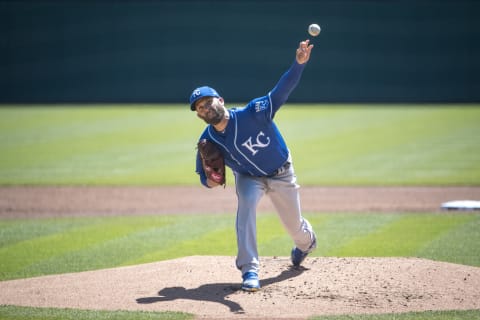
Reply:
x=158 y=51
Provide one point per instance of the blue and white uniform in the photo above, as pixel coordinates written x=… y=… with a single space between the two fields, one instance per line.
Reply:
x=255 y=150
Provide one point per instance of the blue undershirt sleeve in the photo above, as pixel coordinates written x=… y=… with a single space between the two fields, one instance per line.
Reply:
x=285 y=85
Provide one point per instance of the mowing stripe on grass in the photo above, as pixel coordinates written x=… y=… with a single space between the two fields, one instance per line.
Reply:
x=385 y=145
x=125 y=241
x=403 y=237
x=458 y=245
x=93 y=243
x=11 y=231
x=23 y=313
x=202 y=235
x=15 y=259
x=154 y=244
x=217 y=242
x=17 y=313
x=351 y=145
x=332 y=231
x=427 y=315
x=85 y=145
x=340 y=229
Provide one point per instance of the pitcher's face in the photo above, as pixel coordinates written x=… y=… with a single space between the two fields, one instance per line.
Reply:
x=210 y=109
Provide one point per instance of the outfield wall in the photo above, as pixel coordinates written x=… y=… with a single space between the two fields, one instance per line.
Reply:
x=158 y=51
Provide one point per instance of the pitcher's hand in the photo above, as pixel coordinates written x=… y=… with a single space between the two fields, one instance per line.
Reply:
x=303 y=51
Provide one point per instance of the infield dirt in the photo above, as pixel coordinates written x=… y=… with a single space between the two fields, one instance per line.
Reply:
x=25 y=201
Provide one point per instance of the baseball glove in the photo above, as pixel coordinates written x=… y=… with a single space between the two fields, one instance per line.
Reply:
x=212 y=161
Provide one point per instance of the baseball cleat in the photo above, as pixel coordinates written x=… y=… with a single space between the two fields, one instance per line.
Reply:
x=298 y=255
x=250 y=282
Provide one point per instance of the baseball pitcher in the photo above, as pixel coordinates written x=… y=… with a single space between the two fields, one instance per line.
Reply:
x=247 y=140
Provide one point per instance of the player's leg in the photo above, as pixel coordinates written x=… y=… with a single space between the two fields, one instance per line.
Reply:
x=249 y=192
x=284 y=193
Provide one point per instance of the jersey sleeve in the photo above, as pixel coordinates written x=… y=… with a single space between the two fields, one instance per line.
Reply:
x=264 y=108
x=285 y=86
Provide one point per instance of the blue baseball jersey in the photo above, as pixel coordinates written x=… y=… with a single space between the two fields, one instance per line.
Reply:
x=251 y=143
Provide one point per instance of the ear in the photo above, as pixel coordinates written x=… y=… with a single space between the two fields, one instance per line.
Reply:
x=221 y=100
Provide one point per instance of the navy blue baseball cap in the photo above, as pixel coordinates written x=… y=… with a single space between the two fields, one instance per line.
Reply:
x=202 y=92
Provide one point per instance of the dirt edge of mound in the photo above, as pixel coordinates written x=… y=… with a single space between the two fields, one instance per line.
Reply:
x=208 y=287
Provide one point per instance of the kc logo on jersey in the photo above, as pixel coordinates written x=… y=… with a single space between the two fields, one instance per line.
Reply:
x=262 y=142
x=261 y=105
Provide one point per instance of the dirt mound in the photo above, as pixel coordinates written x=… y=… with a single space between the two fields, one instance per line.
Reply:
x=209 y=288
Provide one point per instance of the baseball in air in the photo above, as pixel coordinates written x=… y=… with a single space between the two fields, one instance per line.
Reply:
x=314 y=29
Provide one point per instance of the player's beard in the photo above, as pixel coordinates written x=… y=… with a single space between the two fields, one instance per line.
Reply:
x=214 y=115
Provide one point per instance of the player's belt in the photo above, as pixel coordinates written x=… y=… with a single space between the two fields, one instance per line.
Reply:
x=280 y=170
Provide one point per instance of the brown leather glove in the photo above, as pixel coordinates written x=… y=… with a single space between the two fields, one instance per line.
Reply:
x=212 y=161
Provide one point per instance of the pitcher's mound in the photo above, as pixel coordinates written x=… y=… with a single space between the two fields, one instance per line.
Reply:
x=209 y=288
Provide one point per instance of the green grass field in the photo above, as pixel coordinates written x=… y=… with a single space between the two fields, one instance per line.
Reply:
x=24 y=313
x=154 y=145
x=34 y=247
